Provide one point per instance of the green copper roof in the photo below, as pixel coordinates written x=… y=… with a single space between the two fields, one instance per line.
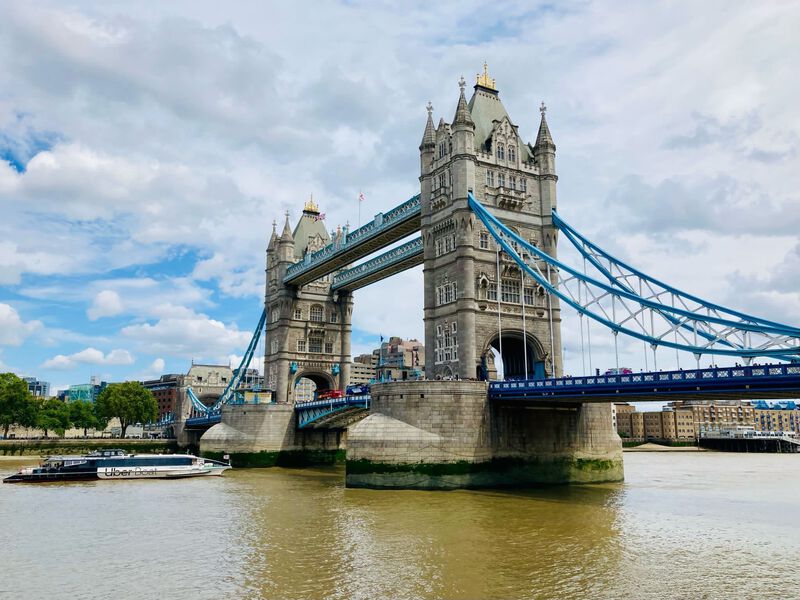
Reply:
x=485 y=108
x=308 y=228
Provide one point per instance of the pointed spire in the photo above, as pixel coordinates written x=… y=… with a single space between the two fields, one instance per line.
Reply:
x=429 y=137
x=286 y=236
x=463 y=116
x=273 y=238
x=544 y=140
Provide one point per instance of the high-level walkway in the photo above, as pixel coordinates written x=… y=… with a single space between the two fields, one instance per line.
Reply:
x=383 y=230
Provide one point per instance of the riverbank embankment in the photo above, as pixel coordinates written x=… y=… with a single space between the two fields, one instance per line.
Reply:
x=20 y=447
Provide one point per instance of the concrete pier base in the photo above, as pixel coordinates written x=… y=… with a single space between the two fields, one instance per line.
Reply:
x=445 y=435
x=265 y=435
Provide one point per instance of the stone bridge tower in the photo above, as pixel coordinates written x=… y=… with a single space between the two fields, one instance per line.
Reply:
x=481 y=151
x=308 y=327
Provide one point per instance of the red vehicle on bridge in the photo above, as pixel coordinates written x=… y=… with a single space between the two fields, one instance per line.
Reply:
x=329 y=394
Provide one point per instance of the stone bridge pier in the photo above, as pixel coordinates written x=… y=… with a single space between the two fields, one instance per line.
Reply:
x=446 y=434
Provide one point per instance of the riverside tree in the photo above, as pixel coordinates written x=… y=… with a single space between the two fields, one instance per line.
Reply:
x=16 y=403
x=84 y=416
x=130 y=402
x=53 y=415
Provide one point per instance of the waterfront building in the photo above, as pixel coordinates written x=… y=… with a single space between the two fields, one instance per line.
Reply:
x=39 y=389
x=86 y=392
x=399 y=360
x=721 y=414
x=362 y=372
x=251 y=379
x=779 y=416
x=165 y=389
x=304 y=390
x=685 y=420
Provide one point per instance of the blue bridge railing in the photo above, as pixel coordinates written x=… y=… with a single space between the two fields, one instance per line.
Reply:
x=206 y=420
x=779 y=380
x=309 y=412
x=384 y=262
x=382 y=222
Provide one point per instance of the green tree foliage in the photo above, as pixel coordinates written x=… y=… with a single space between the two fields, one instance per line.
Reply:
x=16 y=403
x=53 y=416
x=83 y=415
x=130 y=402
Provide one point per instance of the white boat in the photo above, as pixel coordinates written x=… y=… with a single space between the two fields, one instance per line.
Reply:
x=116 y=464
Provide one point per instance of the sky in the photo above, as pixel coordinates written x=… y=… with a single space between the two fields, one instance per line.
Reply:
x=146 y=148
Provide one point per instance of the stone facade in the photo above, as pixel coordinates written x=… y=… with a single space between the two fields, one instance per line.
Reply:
x=308 y=327
x=481 y=152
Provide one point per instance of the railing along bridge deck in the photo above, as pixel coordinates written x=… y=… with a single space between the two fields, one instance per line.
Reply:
x=383 y=230
x=721 y=383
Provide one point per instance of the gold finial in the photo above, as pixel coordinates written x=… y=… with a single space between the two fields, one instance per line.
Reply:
x=485 y=81
x=311 y=206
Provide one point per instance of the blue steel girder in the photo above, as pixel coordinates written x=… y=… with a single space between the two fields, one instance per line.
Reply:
x=722 y=383
x=203 y=422
x=389 y=263
x=624 y=311
x=384 y=230
x=310 y=412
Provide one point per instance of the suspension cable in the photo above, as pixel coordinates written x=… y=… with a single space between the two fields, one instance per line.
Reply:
x=499 y=320
x=550 y=318
x=588 y=321
x=524 y=330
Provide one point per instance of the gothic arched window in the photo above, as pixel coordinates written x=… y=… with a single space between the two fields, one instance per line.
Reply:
x=501 y=152
x=512 y=152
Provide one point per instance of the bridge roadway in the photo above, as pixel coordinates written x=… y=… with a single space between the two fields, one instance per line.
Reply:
x=383 y=230
x=777 y=381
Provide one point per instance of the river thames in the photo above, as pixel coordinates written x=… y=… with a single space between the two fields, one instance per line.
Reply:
x=683 y=525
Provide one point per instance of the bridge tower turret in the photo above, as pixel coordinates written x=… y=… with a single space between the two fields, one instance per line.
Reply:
x=308 y=327
x=465 y=276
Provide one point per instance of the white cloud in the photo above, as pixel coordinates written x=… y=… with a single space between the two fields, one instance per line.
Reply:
x=189 y=335
x=676 y=126
x=153 y=371
x=105 y=304
x=88 y=356
x=13 y=330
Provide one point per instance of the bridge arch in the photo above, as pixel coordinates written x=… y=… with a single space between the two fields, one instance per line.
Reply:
x=513 y=355
x=322 y=381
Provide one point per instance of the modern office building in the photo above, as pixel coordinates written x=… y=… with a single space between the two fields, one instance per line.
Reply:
x=39 y=389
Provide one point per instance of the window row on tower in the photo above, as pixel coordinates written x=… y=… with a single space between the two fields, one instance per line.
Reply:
x=520 y=185
x=446 y=293
x=316 y=314
x=500 y=152
x=315 y=345
x=446 y=347
x=445 y=244
x=444 y=179
x=510 y=292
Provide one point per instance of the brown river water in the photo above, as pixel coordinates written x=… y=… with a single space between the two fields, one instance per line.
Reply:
x=683 y=525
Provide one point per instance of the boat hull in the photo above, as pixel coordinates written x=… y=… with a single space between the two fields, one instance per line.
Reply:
x=116 y=466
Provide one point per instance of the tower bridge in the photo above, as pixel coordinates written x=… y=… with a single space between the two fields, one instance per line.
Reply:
x=493 y=283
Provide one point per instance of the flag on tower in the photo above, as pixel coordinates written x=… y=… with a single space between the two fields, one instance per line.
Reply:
x=360 y=196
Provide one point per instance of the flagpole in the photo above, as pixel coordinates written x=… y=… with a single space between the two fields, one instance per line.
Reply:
x=360 y=199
